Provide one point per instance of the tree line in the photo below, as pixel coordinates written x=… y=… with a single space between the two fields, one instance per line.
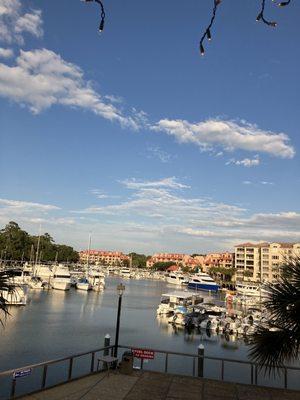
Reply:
x=18 y=245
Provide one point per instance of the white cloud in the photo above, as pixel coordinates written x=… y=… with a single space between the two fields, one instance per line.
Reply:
x=157 y=152
x=267 y=183
x=26 y=205
x=246 y=162
x=41 y=78
x=171 y=183
x=13 y=23
x=247 y=183
x=6 y=53
x=228 y=135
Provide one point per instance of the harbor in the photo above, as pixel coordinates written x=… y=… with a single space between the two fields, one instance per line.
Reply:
x=58 y=323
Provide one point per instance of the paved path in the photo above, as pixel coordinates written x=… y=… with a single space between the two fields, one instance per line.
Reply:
x=157 y=386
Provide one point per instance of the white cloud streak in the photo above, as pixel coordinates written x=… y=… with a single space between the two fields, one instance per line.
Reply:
x=41 y=78
x=246 y=162
x=6 y=53
x=13 y=24
x=26 y=205
x=228 y=135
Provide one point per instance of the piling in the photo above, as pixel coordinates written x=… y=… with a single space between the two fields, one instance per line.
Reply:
x=106 y=344
x=200 y=360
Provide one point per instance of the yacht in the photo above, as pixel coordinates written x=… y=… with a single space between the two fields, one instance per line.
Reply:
x=61 y=279
x=170 y=301
x=83 y=284
x=177 y=279
x=125 y=272
x=250 y=289
x=14 y=297
x=97 y=280
x=43 y=272
x=202 y=281
x=21 y=277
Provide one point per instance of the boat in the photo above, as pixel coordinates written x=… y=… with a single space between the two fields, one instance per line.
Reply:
x=16 y=296
x=96 y=279
x=43 y=272
x=83 y=284
x=61 y=279
x=202 y=281
x=36 y=283
x=21 y=277
x=125 y=272
x=169 y=301
x=177 y=279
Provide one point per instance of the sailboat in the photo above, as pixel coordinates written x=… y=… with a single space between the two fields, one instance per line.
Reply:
x=83 y=283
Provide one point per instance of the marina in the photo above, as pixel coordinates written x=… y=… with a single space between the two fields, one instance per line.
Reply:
x=64 y=322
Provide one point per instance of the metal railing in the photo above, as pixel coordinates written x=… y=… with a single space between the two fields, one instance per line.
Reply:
x=45 y=365
x=198 y=362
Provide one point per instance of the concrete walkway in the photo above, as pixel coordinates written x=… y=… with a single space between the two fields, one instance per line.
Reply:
x=143 y=385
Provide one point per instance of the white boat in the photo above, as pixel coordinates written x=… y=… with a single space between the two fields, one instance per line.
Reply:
x=61 y=279
x=97 y=280
x=14 y=297
x=35 y=283
x=169 y=301
x=43 y=272
x=202 y=281
x=21 y=277
x=83 y=284
x=177 y=279
x=248 y=289
x=125 y=272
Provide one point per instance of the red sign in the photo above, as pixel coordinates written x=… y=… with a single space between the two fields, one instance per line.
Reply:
x=144 y=354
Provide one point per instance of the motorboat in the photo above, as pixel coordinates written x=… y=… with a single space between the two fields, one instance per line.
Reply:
x=36 y=283
x=96 y=279
x=16 y=296
x=177 y=279
x=125 y=272
x=21 y=277
x=83 y=284
x=202 y=281
x=61 y=279
x=43 y=272
x=169 y=301
x=248 y=289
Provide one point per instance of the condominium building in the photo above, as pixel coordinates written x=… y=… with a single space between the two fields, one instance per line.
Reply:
x=103 y=257
x=262 y=261
x=220 y=260
x=183 y=259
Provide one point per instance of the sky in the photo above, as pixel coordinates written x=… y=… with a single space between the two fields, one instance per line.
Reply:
x=133 y=136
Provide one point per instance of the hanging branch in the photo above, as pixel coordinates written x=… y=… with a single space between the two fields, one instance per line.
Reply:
x=207 y=33
x=102 y=15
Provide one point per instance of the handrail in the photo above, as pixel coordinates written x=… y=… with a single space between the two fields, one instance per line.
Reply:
x=57 y=360
x=207 y=357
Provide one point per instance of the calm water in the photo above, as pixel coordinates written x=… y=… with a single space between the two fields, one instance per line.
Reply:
x=56 y=324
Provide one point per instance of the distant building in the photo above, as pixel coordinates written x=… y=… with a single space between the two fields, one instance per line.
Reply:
x=262 y=261
x=220 y=260
x=176 y=258
x=103 y=257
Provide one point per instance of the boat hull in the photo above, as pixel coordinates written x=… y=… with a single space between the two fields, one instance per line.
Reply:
x=203 y=286
x=61 y=285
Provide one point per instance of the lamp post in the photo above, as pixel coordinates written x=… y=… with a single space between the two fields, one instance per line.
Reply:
x=120 y=290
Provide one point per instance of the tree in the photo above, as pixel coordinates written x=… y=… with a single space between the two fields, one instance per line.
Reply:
x=14 y=242
x=138 y=260
x=278 y=340
x=5 y=286
x=162 y=266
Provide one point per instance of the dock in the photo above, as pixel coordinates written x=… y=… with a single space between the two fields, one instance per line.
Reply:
x=146 y=385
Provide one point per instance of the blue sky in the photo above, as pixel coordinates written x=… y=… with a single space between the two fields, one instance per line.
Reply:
x=133 y=136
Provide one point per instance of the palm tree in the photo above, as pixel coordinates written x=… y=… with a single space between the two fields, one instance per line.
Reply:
x=278 y=340
x=5 y=285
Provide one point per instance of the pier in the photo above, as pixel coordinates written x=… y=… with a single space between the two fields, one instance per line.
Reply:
x=146 y=385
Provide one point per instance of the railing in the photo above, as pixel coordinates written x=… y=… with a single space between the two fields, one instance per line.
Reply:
x=198 y=362
x=45 y=366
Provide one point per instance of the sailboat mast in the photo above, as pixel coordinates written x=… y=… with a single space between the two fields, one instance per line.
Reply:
x=37 y=250
x=88 y=256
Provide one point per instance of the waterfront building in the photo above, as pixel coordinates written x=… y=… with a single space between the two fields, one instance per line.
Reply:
x=261 y=261
x=112 y=258
x=178 y=259
x=218 y=260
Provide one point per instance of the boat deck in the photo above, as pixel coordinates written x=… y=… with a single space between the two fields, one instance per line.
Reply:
x=145 y=385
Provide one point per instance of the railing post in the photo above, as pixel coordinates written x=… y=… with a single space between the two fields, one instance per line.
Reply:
x=200 y=360
x=222 y=371
x=70 y=368
x=166 y=363
x=251 y=374
x=255 y=378
x=194 y=366
x=106 y=344
x=142 y=363
x=285 y=378
x=92 y=361
x=13 y=388
x=44 y=376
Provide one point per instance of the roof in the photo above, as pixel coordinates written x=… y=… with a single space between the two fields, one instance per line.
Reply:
x=182 y=295
x=249 y=244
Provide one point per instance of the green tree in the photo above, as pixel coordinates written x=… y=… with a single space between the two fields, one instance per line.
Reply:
x=14 y=242
x=277 y=341
x=138 y=260
x=162 y=266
